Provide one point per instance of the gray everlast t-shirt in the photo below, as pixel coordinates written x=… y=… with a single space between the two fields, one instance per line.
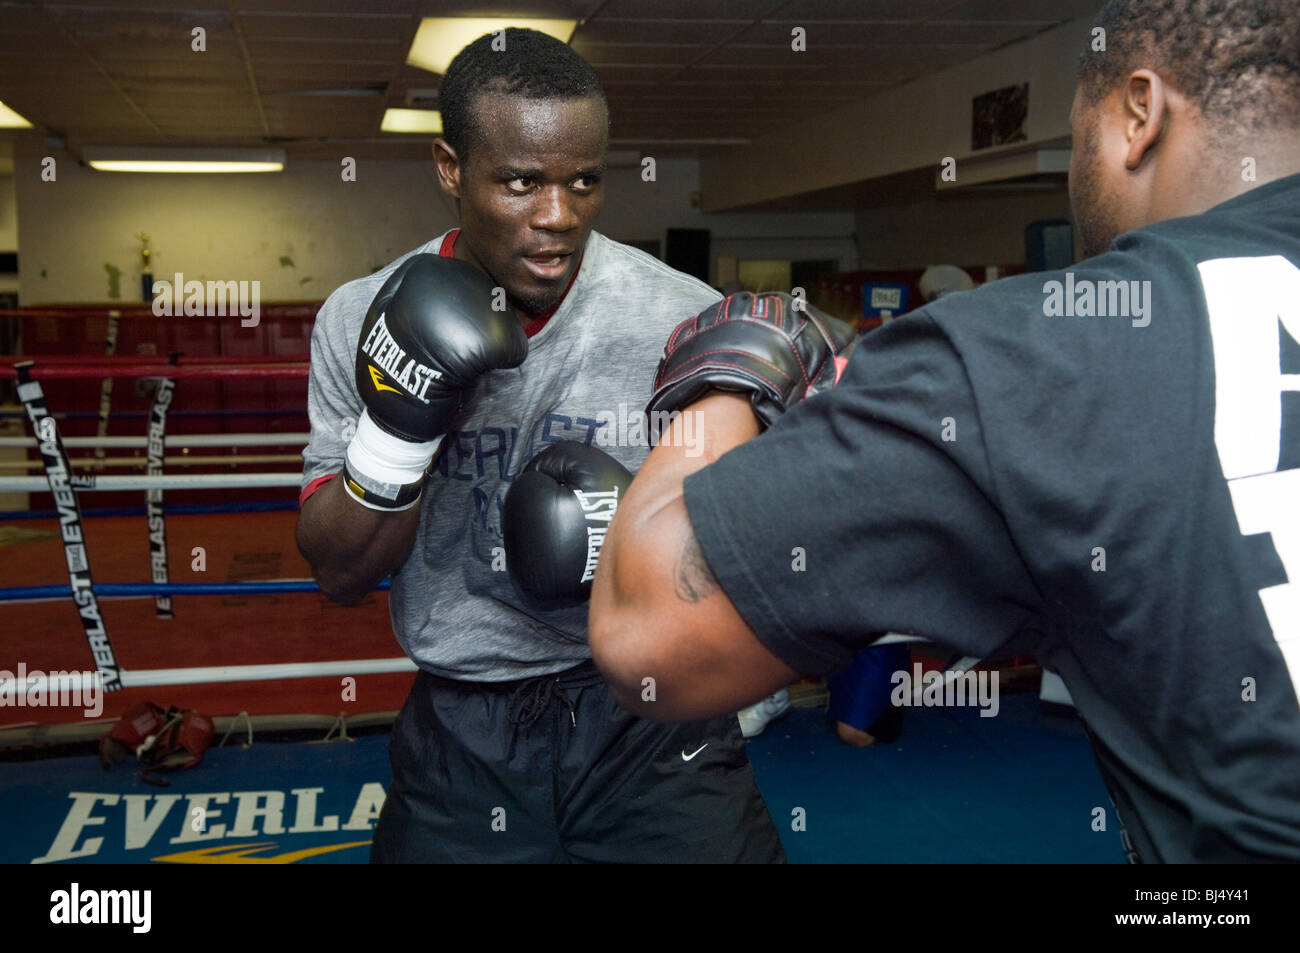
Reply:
x=587 y=378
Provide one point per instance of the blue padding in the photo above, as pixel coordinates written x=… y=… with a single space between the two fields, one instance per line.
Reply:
x=861 y=692
x=11 y=593
x=954 y=788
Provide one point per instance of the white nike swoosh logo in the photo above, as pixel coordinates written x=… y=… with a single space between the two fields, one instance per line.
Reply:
x=687 y=757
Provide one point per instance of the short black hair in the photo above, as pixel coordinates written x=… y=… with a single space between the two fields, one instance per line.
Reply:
x=1237 y=60
x=532 y=64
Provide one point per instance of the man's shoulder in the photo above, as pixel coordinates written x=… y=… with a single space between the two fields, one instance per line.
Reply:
x=1130 y=267
x=1002 y=301
x=352 y=298
x=640 y=272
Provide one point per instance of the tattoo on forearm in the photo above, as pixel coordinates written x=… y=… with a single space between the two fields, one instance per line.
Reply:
x=694 y=578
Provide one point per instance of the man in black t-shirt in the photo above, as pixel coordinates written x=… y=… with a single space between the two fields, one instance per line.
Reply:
x=1106 y=459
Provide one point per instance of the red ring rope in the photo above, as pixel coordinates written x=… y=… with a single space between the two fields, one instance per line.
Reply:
x=103 y=368
x=184 y=360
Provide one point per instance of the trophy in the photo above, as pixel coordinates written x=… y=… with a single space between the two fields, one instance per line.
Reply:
x=146 y=274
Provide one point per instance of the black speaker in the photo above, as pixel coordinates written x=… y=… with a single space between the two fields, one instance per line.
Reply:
x=687 y=250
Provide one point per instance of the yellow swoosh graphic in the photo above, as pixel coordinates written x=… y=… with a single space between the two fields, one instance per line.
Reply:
x=375 y=375
x=242 y=854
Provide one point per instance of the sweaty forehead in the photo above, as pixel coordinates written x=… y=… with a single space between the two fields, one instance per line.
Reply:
x=517 y=128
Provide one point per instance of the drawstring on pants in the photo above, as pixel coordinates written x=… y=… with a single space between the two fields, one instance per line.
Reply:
x=529 y=701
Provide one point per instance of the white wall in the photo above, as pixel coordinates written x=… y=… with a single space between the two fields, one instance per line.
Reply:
x=238 y=227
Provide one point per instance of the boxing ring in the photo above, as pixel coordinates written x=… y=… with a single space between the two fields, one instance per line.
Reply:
x=147 y=554
x=95 y=598
x=122 y=647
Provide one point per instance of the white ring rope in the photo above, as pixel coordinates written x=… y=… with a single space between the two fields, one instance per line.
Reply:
x=187 y=481
x=149 y=678
x=180 y=440
x=173 y=461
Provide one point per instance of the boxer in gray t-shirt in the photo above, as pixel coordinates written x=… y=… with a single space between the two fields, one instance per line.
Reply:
x=509 y=747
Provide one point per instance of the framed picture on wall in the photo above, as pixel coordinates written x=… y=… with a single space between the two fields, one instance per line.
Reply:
x=999 y=117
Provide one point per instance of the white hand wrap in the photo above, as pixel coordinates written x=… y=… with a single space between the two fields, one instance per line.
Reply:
x=385 y=472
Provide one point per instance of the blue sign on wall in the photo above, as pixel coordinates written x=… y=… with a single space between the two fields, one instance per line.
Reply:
x=880 y=300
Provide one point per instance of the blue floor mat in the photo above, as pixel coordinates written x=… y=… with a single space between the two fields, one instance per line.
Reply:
x=68 y=809
x=954 y=788
x=1021 y=787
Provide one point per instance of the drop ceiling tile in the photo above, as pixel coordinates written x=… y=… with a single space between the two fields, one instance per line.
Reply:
x=553 y=9
x=1048 y=10
x=634 y=54
x=813 y=11
x=985 y=34
x=323 y=7
x=293 y=74
x=604 y=29
x=375 y=27
x=340 y=50
x=690 y=9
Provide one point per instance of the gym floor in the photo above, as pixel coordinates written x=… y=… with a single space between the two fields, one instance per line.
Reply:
x=953 y=788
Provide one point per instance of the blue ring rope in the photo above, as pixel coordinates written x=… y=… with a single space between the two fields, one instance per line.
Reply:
x=267 y=506
x=11 y=593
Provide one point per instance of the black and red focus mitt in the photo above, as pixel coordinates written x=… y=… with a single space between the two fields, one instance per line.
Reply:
x=776 y=348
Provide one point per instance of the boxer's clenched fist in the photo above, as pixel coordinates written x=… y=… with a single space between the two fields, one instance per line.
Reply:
x=760 y=344
x=429 y=334
x=556 y=515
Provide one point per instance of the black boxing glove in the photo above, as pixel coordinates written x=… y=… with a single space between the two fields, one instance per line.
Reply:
x=428 y=336
x=556 y=514
x=777 y=348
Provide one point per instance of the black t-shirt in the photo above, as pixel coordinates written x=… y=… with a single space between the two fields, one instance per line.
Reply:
x=1120 y=491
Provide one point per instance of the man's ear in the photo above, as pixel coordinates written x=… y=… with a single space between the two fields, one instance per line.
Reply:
x=448 y=163
x=1146 y=107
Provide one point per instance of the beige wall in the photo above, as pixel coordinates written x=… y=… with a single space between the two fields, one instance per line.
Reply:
x=912 y=126
x=300 y=233
x=8 y=215
x=240 y=227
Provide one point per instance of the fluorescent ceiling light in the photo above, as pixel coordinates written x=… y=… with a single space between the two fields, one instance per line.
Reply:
x=194 y=161
x=11 y=120
x=428 y=121
x=439 y=39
